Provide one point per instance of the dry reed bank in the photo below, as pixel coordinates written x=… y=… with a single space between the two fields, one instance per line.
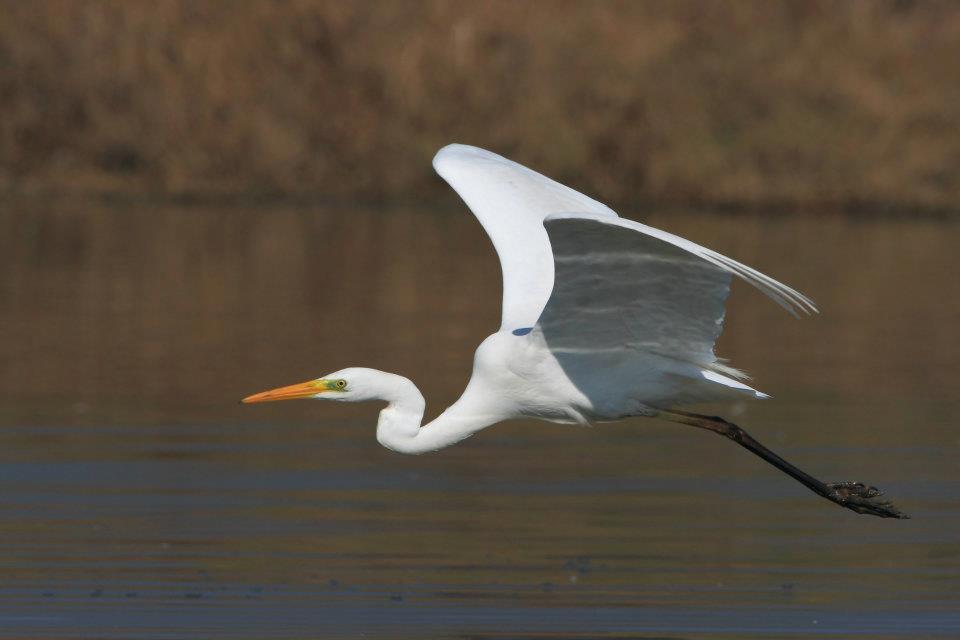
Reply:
x=806 y=103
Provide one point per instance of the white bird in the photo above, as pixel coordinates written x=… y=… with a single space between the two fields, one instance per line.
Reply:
x=603 y=318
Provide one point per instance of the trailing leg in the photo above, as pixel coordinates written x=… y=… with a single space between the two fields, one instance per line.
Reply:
x=852 y=495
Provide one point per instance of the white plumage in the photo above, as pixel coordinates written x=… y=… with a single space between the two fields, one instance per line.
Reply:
x=603 y=318
x=630 y=313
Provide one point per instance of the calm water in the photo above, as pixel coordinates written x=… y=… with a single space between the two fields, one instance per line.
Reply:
x=139 y=500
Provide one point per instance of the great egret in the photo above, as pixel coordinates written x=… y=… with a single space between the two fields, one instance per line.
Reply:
x=603 y=318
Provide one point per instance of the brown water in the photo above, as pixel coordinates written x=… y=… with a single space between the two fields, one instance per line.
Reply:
x=139 y=500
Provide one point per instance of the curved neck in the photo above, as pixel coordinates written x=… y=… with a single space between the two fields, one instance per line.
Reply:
x=399 y=425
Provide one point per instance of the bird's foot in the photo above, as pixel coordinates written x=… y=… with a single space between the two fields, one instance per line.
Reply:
x=863 y=499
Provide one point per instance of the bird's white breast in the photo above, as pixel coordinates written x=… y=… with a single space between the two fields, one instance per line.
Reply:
x=526 y=377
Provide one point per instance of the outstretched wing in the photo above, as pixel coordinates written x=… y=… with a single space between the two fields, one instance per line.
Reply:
x=620 y=286
x=511 y=202
x=591 y=280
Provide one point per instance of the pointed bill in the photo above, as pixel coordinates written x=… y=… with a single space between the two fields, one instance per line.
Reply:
x=307 y=389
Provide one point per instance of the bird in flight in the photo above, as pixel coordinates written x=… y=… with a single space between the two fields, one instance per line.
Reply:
x=603 y=318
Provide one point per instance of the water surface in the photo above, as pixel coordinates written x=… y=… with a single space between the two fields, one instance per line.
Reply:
x=139 y=500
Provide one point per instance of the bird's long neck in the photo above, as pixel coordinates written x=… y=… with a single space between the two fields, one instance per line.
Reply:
x=399 y=425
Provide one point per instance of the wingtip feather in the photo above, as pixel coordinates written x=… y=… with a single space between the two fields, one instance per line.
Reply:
x=455 y=151
x=790 y=299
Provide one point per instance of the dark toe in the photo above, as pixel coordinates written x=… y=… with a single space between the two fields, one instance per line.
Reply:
x=864 y=499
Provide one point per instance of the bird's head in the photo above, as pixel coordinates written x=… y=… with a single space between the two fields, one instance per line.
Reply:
x=347 y=385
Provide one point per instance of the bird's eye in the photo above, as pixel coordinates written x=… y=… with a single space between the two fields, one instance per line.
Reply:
x=341 y=384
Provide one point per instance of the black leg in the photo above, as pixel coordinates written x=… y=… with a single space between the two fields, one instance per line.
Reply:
x=852 y=495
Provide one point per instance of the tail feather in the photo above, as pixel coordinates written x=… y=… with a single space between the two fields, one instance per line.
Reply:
x=719 y=365
x=726 y=381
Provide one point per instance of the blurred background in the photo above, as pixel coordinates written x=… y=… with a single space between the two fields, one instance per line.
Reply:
x=787 y=104
x=201 y=200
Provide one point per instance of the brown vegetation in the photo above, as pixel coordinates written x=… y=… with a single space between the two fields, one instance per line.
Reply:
x=752 y=103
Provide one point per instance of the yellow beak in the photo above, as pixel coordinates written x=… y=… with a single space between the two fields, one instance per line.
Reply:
x=292 y=392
